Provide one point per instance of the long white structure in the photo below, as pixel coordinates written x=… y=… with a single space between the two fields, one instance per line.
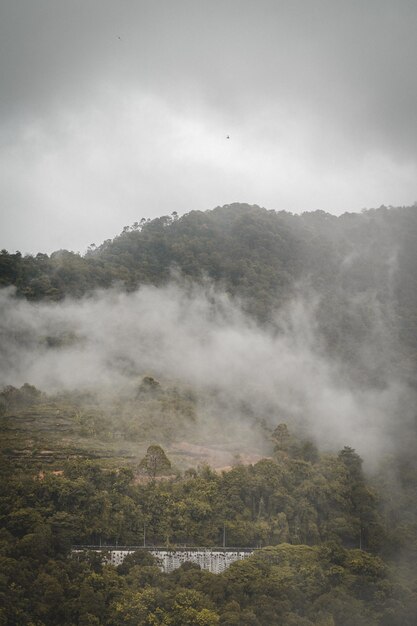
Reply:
x=215 y=560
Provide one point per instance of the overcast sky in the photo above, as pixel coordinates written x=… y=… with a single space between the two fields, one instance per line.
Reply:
x=111 y=111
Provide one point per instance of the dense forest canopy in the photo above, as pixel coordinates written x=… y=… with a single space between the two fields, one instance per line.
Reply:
x=262 y=257
x=260 y=343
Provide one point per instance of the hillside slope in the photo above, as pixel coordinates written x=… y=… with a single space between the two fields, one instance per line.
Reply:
x=361 y=268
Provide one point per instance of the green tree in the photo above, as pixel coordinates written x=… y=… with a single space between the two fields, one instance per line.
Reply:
x=155 y=462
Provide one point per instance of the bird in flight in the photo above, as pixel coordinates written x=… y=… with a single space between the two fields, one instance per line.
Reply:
x=228 y=137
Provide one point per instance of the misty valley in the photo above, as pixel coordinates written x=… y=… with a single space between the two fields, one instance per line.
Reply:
x=236 y=379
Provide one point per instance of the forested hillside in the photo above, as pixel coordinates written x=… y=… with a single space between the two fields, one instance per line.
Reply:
x=368 y=260
x=235 y=373
x=338 y=555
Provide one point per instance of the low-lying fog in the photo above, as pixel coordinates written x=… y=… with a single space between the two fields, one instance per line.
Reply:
x=199 y=337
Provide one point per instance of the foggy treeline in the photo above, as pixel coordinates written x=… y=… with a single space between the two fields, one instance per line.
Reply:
x=362 y=266
x=238 y=327
x=309 y=317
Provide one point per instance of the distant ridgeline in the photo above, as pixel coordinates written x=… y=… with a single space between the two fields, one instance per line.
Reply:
x=215 y=560
x=361 y=265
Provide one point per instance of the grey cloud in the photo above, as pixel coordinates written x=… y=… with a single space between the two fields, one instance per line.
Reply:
x=350 y=63
x=197 y=336
x=318 y=97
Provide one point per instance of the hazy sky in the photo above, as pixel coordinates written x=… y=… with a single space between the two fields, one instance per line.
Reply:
x=115 y=110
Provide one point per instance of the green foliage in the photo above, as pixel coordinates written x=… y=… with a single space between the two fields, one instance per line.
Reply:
x=313 y=511
x=155 y=462
x=340 y=550
x=262 y=257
